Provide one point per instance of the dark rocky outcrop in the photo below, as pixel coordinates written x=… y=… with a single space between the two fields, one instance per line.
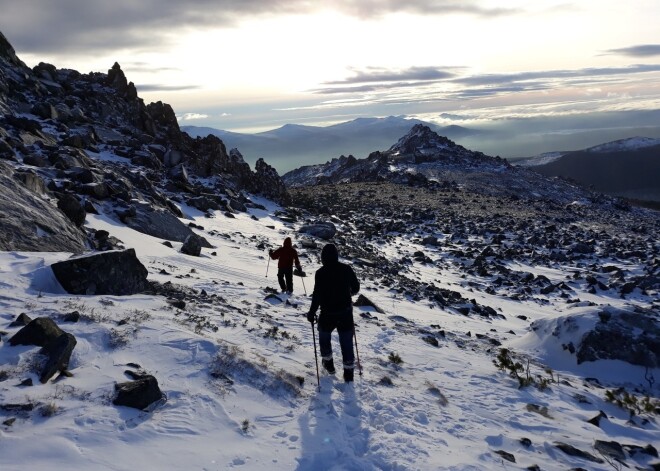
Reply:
x=29 y=222
x=636 y=335
x=79 y=129
x=322 y=230
x=138 y=394
x=270 y=183
x=113 y=272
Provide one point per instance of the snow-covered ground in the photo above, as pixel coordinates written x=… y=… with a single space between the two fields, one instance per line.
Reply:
x=229 y=366
x=540 y=159
x=632 y=143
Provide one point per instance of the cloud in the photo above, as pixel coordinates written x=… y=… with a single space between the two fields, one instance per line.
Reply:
x=372 y=88
x=641 y=50
x=438 y=83
x=154 y=87
x=192 y=116
x=457 y=117
x=374 y=74
x=93 y=26
x=549 y=75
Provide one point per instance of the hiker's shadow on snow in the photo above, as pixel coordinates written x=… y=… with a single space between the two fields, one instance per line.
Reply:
x=331 y=432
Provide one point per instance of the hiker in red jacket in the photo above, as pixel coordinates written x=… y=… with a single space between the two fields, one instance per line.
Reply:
x=286 y=255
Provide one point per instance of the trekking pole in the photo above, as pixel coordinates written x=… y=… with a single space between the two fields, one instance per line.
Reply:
x=267 y=265
x=316 y=359
x=303 y=282
x=357 y=352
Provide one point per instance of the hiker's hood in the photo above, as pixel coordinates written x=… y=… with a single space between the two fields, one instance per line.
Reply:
x=287 y=242
x=329 y=254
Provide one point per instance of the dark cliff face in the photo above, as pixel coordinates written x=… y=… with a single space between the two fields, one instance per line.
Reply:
x=92 y=137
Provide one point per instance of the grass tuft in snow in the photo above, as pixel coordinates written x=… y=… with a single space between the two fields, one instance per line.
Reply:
x=119 y=338
x=505 y=361
x=633 y=404
x=395 y=358
x=231 y=365
x=49 y=410
x=435 y=391
x=245 y=426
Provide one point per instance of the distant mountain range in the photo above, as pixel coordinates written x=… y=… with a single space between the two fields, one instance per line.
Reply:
x=628 y=167
x=294 y=145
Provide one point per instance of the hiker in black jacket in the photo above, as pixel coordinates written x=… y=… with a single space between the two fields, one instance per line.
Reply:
x=335 y=283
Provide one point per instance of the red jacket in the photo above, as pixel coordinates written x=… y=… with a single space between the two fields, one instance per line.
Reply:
x=286 y=255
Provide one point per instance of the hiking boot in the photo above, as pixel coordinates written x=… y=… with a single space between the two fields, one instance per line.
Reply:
x=329 y=366
x=348 y=375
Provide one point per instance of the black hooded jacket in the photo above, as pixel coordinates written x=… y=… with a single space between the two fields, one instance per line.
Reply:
x=335 y=283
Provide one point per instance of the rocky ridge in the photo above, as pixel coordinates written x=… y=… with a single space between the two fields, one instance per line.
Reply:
x=85 y=142
x=424 y=158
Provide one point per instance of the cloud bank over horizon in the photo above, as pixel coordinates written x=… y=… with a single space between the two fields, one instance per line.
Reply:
x=249 y=65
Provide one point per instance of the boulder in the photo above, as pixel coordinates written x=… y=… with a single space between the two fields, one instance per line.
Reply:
x=612 y=449
x=72 y=208
x=44 y=110
x=31 y=181
x=207 y=202
x=111 y=273
x=236 y=205
x=58 y=351
x=363 y=301
x=159 y=223
x=322 y=230
x=430 y=240
x=39 y=331
x=179 y=175
x=636 y=335
x=7 y=152
x=138 y=394
x=192 y=245
x=99 y=190
x=572 y=451
x=22 y=320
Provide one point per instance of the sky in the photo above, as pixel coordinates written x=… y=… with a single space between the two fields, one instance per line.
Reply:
x=544 y=73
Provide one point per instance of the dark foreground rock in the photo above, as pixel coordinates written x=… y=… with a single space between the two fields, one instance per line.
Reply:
x=112 y=273
x=56 y=344
x=138 y=394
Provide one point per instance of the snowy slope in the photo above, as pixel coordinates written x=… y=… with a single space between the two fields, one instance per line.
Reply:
x=228 y=364
x=632 y=143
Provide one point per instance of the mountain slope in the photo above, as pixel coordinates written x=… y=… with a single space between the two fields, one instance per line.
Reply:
x=294 y=145
x=628 y=167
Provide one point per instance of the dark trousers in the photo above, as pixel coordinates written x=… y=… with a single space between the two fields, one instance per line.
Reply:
x=285 y=278
x=343 y=322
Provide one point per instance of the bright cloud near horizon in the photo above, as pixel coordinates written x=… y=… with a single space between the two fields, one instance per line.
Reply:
x=251 y=65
